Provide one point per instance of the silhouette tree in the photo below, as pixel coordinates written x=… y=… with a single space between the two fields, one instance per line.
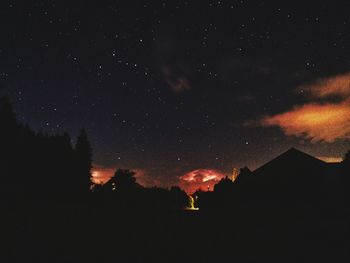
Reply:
x=179 y=198
x=83 y=154
x=31 y=162
x=124 y=180
x=8 y=144
x=7 y=115
x=225 y=185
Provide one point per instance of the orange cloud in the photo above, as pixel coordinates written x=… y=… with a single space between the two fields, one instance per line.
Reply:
x=326 y=87
x=201 y=178
x=318 y=122
x=146 y=179
x=328 y=159
x=101 y=175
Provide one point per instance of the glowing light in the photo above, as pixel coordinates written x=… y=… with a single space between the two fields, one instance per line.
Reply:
x=209 y=177
x=200 y=179
x=234 y=175
x=101 y=175
x=95 y=174
x=191 y=207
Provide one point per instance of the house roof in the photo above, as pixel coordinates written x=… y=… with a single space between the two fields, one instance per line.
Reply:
x=289 y=159
x=293 y=176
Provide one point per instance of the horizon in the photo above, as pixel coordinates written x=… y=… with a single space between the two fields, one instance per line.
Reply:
x=101 y=175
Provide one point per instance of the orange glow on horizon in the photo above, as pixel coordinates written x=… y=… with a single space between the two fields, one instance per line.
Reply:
x=203 y=179
x=100 y=175
x=330 y=159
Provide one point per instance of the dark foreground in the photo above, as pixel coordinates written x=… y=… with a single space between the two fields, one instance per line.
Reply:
x=76 y=232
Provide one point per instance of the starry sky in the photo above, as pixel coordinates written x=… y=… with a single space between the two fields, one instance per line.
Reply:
x=182 y=91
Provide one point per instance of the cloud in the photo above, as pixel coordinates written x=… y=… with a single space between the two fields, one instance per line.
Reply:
x=190 y=182
x=201 y=178
x=326 y=87
x=178 y=83
x=317 y=122
x=321 y=121
x=101 y=175
x=146 y=179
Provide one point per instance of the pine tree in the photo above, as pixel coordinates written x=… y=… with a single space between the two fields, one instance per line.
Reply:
x=83 y=152
x=9 y=127
x=8 y=141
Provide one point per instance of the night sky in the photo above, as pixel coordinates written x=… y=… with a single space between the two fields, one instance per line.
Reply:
x=182 y=89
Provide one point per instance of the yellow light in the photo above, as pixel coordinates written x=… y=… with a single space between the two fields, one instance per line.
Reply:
x=191 y=207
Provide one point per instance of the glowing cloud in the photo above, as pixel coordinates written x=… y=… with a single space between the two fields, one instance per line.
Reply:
x=328 y=159
x=147 y=180
x=318 y=122
x=204 y=179
x=101 y=175
x=326 y=87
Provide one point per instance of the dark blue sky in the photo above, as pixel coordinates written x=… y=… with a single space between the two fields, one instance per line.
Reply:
x=171 y=86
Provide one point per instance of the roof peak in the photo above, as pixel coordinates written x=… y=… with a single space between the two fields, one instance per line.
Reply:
x=291 y=154
x=294 y=150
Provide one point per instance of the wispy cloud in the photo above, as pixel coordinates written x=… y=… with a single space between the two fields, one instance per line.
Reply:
x=326 y=87
x=321 y=121
x=178 y=83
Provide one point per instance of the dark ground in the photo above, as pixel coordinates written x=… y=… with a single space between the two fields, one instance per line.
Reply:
x=77 y=232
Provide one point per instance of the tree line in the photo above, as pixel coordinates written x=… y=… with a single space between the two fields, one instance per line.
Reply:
x=39 y=166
